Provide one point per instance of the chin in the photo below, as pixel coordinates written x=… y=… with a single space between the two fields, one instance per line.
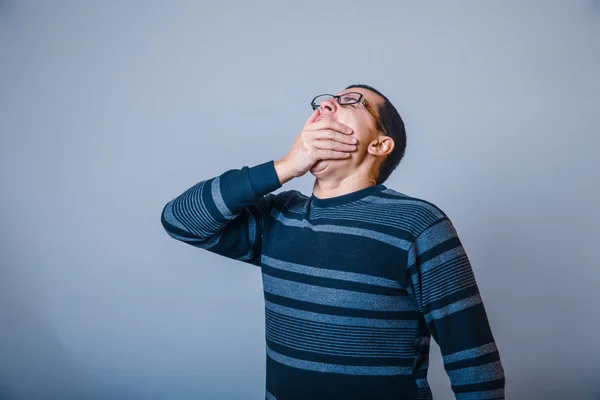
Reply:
x=320 y=167
x=326 y=167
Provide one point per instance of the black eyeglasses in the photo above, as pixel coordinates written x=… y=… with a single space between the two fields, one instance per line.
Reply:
x=347 y=99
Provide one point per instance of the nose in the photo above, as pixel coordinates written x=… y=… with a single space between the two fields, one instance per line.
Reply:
x=328 y=106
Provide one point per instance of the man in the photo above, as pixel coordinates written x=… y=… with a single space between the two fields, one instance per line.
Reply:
x=357 y=277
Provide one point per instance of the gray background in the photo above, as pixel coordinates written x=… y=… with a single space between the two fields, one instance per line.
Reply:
x=110 y=109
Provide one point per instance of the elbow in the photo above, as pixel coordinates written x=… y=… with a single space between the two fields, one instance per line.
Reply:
x=164 y=219
x=176 y=229
x=169 y=223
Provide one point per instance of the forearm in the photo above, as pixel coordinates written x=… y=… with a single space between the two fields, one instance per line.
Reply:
x=471 y=357
x=444 y=286
x=203 y=210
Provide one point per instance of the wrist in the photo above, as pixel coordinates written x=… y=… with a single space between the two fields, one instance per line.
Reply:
x=283 y=171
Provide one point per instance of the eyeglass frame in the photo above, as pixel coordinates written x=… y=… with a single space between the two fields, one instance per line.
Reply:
x=360 y=100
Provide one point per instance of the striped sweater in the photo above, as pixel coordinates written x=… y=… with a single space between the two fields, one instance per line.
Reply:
x=354 y=286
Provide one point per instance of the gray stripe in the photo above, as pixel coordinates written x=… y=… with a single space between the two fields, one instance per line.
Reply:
x=344 y=230
x=438 y=260
x=463 y=280
x=191 y=212
x=434 y=210
x=351 y=340
x=452 y=308
x=453 y=272
x=215 y=190
x=481 y=373
x=170 y=217
x=329 y=273
x=471 y=353
x=336 y=297
x=198 y=242
x=438 y=233
x=336 y=368
x=339 y=320
x=210 y=242
x=303 y=330
x=412 y=218
x=412 y=223
x=359 y=351
x=380 y=212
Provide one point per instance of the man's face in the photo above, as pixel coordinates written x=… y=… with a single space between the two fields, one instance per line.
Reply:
x=357 y=117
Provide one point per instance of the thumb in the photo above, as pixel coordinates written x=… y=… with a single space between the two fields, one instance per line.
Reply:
x=312 y=117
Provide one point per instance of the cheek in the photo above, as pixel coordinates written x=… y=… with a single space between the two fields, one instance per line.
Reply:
x=363 y=133
x=349 y=117
x=362 y=129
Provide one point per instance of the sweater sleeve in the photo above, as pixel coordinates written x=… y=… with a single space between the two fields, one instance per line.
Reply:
x=443 y=284
x=225 y=214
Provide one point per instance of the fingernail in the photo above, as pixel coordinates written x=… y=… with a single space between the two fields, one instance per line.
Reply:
x=354 y=140
x=348 y=130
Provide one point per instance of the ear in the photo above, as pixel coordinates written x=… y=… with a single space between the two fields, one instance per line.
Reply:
x=382 y=146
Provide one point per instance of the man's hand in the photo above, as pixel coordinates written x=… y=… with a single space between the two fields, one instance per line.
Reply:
x=322 y=140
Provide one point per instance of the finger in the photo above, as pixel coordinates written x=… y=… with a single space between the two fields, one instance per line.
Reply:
x=333 y=145
x=312 y=117
x=331 y=155
x=333 y=135
x=328 y=123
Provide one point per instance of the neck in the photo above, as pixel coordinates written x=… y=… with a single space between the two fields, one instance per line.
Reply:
x=325 y=189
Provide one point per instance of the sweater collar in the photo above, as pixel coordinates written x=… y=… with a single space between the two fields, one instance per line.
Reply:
x=346 y=198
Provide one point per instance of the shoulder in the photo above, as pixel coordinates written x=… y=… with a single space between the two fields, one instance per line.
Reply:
x=417 y=214
x=416 y=204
